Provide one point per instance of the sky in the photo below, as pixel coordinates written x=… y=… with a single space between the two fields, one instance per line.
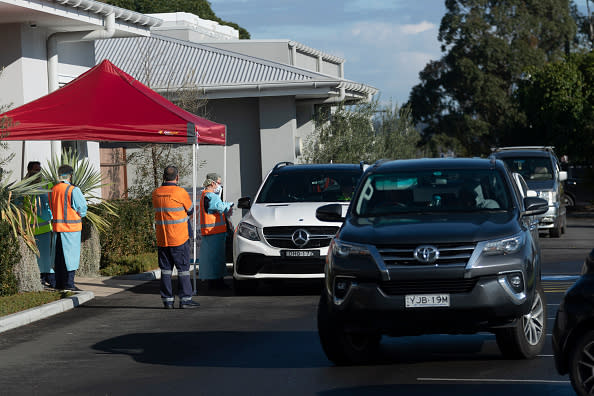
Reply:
x=385 y=43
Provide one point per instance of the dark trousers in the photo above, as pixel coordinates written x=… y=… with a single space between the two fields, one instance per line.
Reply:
x=64 y=278
x=178 y=257
x=48 y=279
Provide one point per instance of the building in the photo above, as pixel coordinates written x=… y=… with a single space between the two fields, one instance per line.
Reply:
x=265 y=91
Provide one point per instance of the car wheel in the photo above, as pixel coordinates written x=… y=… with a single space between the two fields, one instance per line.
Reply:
x=556 y=232
x=526 y=339
x=564 y=225
x=343 y=348
x=569 y=201
x=242 y=287
x=581 y=363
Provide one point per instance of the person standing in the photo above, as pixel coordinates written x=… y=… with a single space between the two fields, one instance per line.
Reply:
x=41 y=221
x=213 y=228
x=68 y=207
x=172 y=205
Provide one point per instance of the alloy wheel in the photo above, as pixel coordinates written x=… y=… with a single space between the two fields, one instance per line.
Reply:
x=533 y=321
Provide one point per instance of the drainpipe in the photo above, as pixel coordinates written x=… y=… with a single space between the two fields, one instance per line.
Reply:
x=334 y=99
x=53 y=40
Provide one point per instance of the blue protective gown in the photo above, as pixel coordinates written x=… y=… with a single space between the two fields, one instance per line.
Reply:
x=212 y=247
x=71 y=240
x=43 y=241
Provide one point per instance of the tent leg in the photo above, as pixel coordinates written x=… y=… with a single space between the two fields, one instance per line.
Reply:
x=194 y=149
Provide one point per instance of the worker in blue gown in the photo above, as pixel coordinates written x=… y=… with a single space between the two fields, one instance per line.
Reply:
x=213 y=229
x=68 y=206
x=40 y=221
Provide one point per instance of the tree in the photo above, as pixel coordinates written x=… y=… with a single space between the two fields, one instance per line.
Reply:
x=197 y=7
x=466 y=99
x=557 y=101
x=363 y=132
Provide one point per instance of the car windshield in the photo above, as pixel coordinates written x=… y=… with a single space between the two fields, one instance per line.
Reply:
x=531 y=168
x=433 y=191
x=311 y=185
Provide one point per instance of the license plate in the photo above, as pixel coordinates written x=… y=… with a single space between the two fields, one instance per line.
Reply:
x=427 y=300
x=300 y=253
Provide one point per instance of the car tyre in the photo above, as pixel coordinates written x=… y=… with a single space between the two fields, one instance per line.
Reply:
x=569 y=201
x=581 y=361
x=243 y=287
x=344 y=348
x=556 y=232
x=526 y=339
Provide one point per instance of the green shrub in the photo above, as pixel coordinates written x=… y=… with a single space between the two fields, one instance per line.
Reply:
x=9 y=256
x=134 y=264
x=131 y=231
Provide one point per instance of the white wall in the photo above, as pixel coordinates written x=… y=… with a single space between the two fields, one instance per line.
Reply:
x=277 y=131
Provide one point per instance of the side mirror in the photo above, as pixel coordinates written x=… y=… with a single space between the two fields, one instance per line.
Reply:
x=535 y=206
x=332 y=212
x=562 y=175
x=244 y=203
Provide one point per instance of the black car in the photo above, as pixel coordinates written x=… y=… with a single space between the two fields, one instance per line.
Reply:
x=433 y=246
x=579 y=186
x=573 y=334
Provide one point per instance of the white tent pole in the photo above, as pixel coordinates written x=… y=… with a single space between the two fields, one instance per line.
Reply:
x=225 y=180
x=194 y=150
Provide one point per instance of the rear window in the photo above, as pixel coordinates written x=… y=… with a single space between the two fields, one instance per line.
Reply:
x=433 y=190
x=309 y=186
x=531 y=168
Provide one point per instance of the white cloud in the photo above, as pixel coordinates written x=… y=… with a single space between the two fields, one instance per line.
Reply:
x=417 y=28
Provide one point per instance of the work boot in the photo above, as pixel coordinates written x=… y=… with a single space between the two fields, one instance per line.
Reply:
x=188 y=304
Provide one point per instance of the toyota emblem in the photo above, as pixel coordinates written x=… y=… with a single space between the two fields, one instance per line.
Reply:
x=426 y=254
x=300 y=237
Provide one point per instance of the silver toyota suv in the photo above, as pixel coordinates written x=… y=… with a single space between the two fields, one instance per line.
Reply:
x=280 y=237
x=541 y=169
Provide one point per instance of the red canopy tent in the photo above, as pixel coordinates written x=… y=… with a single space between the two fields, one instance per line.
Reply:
x=106 y=104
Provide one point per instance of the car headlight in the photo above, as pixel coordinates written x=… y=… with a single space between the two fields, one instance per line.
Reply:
x=549 y=196
x=345 y=249
x=248 y=231
x=509 y=245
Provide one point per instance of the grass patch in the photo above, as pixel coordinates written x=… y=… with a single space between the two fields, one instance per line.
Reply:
x=132 y=264
x=22 y=301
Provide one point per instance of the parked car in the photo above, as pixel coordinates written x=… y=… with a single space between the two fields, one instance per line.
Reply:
x=433 y=246
x=573 y=333
x=280 y=237
x=579 y=186
x=541 y=169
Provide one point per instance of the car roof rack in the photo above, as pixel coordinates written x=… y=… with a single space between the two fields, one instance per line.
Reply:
x=281 y=164
x=509 y=148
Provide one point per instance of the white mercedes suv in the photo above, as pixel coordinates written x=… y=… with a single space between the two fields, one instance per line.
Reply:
x=280 y=237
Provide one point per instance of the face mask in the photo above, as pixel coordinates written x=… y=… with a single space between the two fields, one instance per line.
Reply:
x=218 y=189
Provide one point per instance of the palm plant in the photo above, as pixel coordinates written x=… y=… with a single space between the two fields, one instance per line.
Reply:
x=88 y=179
x=13 y=211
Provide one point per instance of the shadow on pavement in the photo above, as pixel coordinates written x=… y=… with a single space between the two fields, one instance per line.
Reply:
x=283 y=349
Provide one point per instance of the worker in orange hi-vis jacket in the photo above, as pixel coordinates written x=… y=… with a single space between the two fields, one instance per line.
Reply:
x=172 y=206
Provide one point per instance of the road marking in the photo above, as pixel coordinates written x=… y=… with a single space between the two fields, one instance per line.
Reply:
x=559 y=286
x=559 y=277
x=542 y=381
